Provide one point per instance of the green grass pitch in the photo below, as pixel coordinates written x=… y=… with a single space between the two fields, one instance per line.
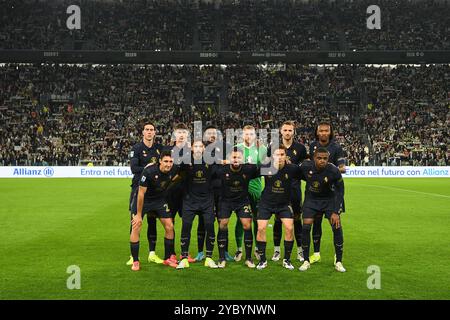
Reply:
x=400 y=225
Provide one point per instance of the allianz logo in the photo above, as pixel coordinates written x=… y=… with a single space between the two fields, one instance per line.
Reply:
x=46 y=172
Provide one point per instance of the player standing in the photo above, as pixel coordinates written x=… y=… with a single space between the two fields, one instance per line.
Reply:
x=325 y=138
x=181 y=153
x=295 y=154
x=253 y=154
x=275 y=199
x=216 y=148
x=144 y=153
x=324 y=194
x=197 y=199
x=235 y=179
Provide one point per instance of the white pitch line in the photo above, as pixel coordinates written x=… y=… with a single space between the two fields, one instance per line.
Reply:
x=406 y=190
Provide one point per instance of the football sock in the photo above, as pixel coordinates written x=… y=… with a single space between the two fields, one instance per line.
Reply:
x=317 y=232
x=134 y=247
x=262 y=250
x=248 y=241
x=338 y=239
x=151 y=233
x=306 y=240
x=288 y=249
x=298 y=232
x=277 y=232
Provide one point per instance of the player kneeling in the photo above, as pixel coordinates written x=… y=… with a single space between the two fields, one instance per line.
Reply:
x=151 y=200
x=324 y=194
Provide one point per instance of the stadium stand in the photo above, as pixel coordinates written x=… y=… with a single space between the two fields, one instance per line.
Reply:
x=75 y=114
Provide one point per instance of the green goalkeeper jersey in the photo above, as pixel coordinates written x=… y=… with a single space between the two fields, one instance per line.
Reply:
x=254 y=155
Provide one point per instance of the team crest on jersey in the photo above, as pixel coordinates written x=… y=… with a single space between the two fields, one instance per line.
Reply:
x=277 y=183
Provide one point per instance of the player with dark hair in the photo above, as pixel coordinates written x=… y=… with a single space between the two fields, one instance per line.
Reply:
x=181 y=153
x=295 y=154
x=151 y=199
x=324 y=194
x=216 y=151
x=141 y=155
x=254 y=153
x=197 y=199
x=275 y=199
x=325 y=138
x=235 y=178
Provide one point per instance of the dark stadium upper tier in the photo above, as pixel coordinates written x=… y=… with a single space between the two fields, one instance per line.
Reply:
x=248 y=25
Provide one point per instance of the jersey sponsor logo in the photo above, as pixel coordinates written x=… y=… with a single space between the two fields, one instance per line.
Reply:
x=199 y=174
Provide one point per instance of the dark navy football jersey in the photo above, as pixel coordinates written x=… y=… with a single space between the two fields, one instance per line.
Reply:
x=156 y=182
x=296 y=153
x=198 y=179
x=235 y=182
x=326 y=184
x=337 y=156
x=278 y=185
x=140 y=156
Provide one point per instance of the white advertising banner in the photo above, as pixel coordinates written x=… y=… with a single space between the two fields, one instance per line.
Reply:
x=65 y=172
x=125 y=172
x=397 y=172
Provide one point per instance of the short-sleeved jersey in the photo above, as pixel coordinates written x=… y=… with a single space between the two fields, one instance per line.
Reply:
x=337 y=156
x=198 y=181
x=235 y=182
x=296 y=153
x=254 y=155
x=326 y=184
x=140 y=156
x=156 y=182
x=277 y=191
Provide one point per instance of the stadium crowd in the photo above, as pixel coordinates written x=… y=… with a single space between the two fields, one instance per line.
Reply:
x=232 y=25
x=73 y=115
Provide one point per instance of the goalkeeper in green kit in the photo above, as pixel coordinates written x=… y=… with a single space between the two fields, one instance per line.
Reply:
x=254 y=154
